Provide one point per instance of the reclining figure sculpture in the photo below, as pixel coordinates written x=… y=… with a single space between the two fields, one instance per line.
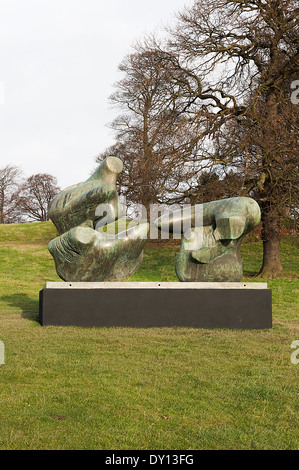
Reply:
x=210 y=249
x=81 y=252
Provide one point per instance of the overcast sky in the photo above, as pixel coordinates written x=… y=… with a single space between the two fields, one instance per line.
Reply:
x=59 y=60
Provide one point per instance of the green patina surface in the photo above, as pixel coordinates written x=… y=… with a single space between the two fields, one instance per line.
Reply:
x=210 y=249
x=81 y=252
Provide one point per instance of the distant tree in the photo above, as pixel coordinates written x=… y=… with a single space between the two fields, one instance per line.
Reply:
x=35 y=195
x=214 y=184
x=9 y=179
x=154 y=141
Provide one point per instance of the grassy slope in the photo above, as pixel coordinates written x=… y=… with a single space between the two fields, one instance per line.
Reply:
x=176 y=388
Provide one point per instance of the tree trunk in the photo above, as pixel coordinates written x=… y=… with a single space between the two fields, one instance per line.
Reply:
x=2 y=216
x=271 y=266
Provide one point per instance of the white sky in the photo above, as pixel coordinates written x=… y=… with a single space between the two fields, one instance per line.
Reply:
x=58 y=64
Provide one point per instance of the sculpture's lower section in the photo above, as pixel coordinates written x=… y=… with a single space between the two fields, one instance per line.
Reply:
x=82 y=254
x=149 y=305
x=217 y=261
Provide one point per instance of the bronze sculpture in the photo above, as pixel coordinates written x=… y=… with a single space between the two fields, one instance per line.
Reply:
x=210 y=249
x=82 y=253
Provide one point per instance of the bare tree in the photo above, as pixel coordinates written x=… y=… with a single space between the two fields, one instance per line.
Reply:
x=9 y=180
x=214 y=184
x=153 y=138
x=35 y=195
x=266 y=158
x=246 y=52
x=216 y=93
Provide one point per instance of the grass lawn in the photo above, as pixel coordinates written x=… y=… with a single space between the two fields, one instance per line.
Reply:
x=118 y=388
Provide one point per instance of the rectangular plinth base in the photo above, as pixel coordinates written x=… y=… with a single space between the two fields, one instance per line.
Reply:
x=149 y=305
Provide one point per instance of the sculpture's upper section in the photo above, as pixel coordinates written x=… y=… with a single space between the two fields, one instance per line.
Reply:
x=77 y=204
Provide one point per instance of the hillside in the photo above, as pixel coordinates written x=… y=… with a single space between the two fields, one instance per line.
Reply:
x=35 y=232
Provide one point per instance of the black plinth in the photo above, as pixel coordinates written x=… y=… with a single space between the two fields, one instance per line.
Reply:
x=156 y=306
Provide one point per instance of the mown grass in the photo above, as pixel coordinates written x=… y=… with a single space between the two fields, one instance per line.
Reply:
x=118 y=388
x=27 y=233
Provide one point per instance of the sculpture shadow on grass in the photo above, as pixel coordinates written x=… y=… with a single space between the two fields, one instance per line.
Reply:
x=26 y=304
